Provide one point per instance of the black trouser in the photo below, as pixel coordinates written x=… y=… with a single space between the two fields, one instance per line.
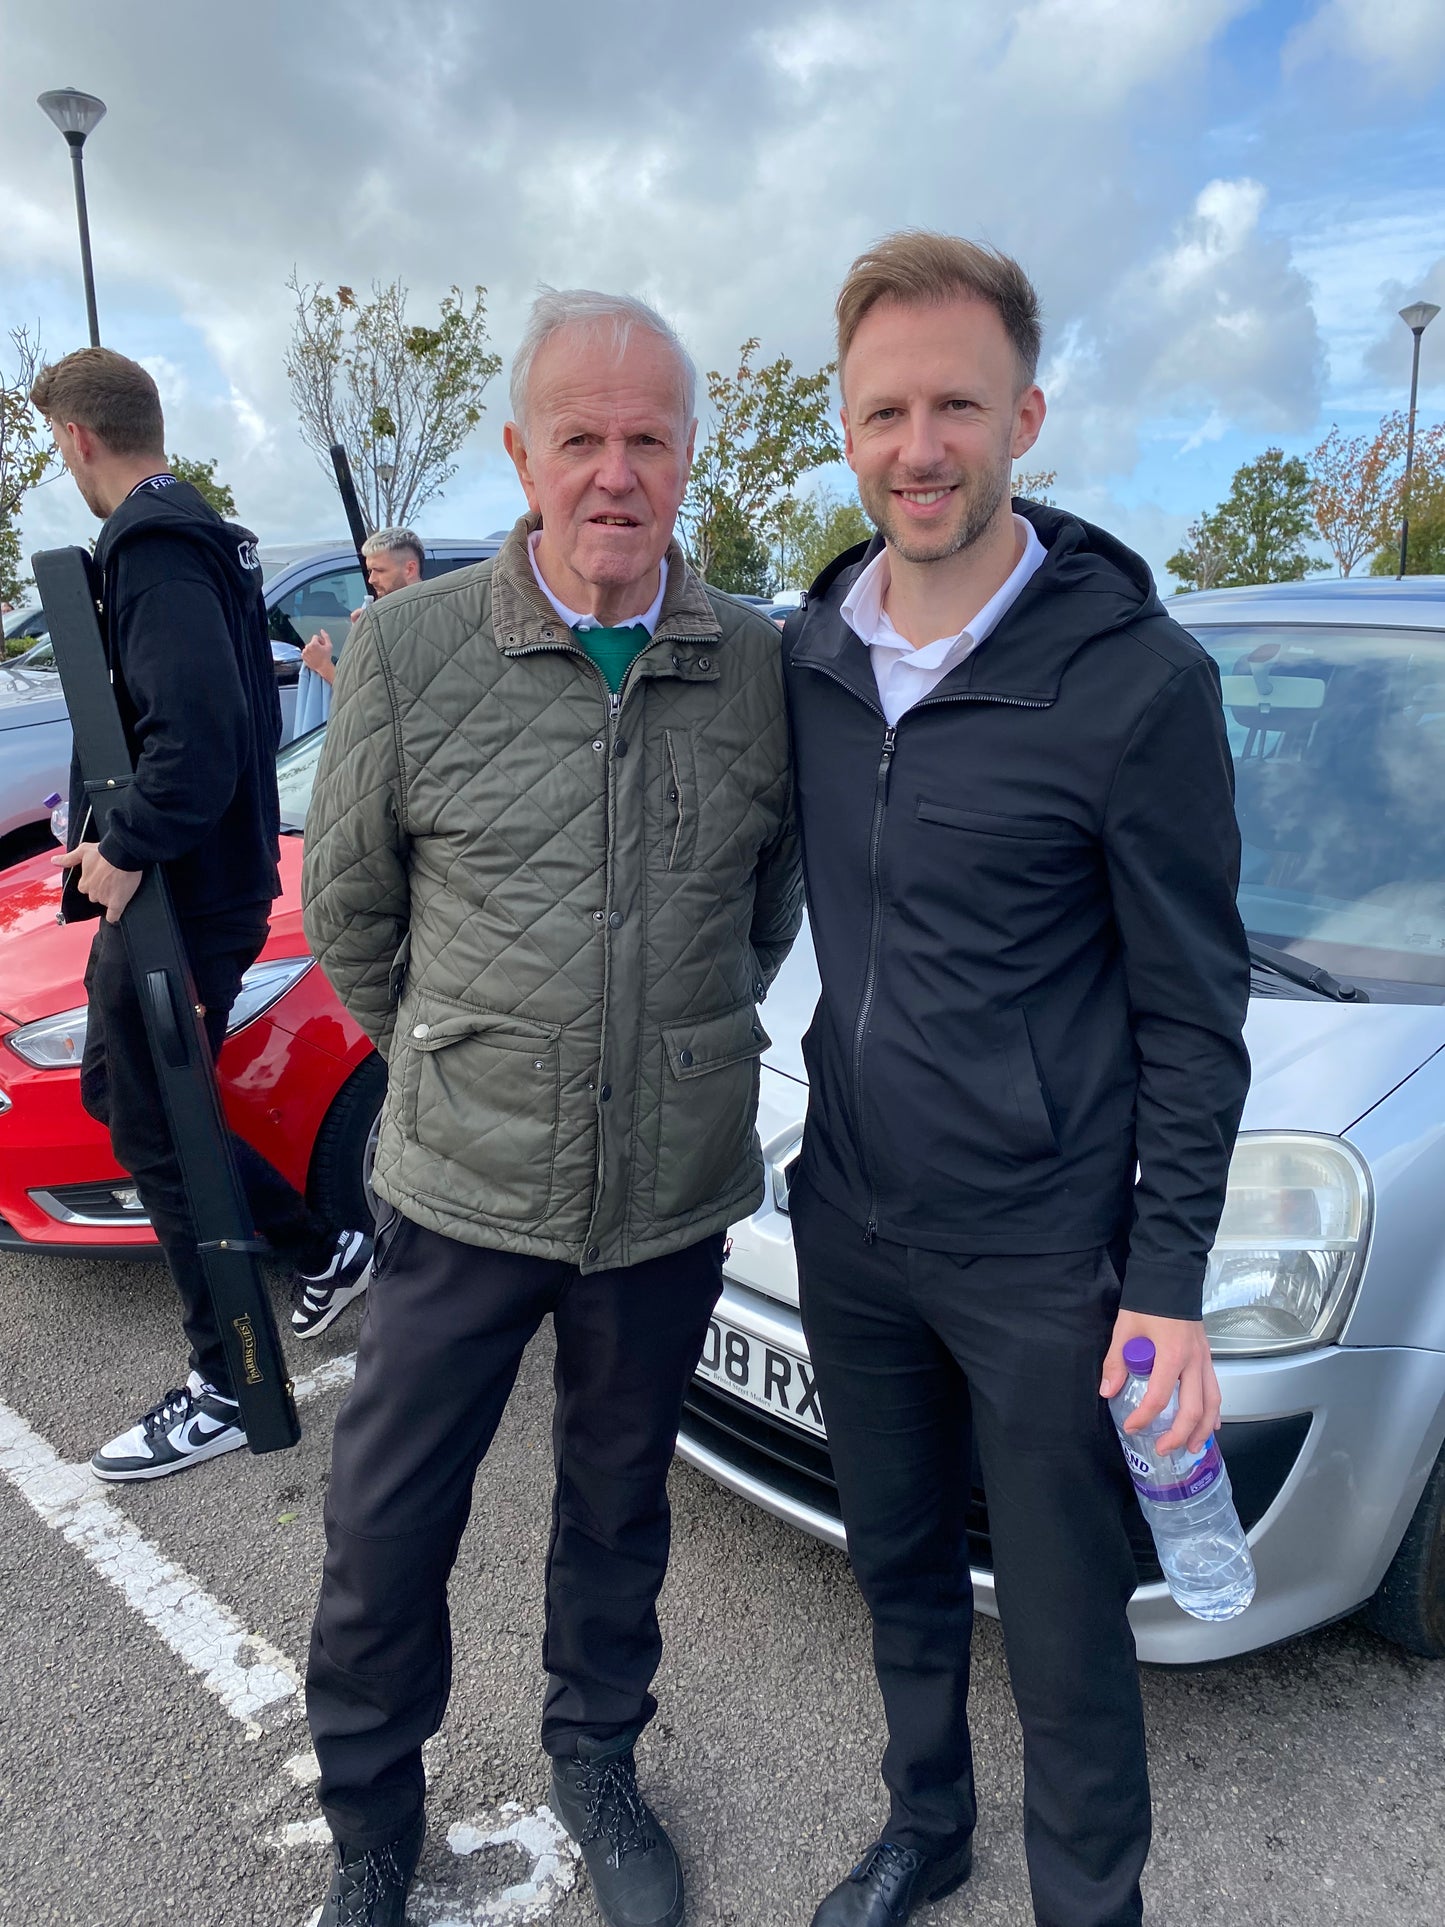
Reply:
x=441 y=1340
x=119 y=1087
x=919 y=1355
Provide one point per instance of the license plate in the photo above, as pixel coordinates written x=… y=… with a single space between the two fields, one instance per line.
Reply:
x=776 y=1381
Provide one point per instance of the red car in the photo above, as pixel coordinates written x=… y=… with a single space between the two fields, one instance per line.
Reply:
x=299 y=1079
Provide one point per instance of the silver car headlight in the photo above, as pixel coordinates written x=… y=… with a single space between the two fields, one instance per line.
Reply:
x=1291 y=1245
x=54 y=1043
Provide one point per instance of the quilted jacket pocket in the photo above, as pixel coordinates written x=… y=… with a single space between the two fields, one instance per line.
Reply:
x=708 y=1114
x=481 y=1092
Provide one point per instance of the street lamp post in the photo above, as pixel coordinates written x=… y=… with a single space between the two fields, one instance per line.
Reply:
x=75 y=114
x=1417 y=318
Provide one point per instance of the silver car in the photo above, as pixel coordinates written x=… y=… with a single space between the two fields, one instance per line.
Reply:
x=309 y=587
x=1325 y=1295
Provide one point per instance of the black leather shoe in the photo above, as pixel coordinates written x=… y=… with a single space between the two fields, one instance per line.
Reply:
x=889 y=1882
x=636 y=1874
x=369 y=1884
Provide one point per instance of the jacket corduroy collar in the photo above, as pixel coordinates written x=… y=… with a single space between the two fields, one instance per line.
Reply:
x=522 y=617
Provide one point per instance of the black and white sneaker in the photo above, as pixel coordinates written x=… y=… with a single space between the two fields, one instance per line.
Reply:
x=322 y=1296
x=192 y=1423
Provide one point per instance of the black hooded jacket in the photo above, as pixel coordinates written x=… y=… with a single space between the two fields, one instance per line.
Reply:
x=185 y=629
x=1034 y=976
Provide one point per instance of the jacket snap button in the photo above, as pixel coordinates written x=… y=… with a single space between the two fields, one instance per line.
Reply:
x=619 y=748
x=598 y=916
x=684 y=1057
x=672 y=796
x=614 y=922
x=677 y=662
x=538 y=1064
x=704 y=662
x=422 y=1030
x=594 y=1252
x=757 y=1033
x=606 y=1093
x=599 y=745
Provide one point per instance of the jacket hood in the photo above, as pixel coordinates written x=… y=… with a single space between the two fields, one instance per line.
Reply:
x=1089 y=585
x=175 y=508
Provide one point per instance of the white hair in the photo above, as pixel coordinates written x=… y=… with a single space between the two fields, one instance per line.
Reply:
x=558 y=308
x=394 y=542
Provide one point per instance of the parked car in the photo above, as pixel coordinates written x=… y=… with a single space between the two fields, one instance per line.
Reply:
x=299 y=1079
x=308 y=587
x=1325 y=1295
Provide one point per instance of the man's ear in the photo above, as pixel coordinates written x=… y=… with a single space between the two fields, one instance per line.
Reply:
x=847 y=438
x=516 y=447
x=1029 y=412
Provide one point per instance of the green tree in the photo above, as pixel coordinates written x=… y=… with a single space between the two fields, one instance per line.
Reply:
x=740 y=562
x=770 y=427
x=401 y=398
x=1258 y=532
x=1208 y=554
x=27 y=455
x=819 y=528
x=202 y=478
x=1426 y=551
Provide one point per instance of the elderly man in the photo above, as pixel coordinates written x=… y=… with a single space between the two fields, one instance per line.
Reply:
x=393 y=559
x=551 y=869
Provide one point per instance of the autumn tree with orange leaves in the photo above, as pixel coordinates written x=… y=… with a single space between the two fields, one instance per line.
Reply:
x=1353 y=482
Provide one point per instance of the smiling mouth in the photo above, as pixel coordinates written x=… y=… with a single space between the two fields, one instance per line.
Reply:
x=613 y=521
x=924 y=497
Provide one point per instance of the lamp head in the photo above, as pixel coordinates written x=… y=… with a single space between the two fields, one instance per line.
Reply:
x=73 y=112
x=1418 y=316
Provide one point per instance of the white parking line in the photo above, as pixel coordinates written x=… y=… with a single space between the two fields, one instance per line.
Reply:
x=252 y=1680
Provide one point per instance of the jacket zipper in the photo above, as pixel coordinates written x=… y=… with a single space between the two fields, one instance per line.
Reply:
x=875 y=898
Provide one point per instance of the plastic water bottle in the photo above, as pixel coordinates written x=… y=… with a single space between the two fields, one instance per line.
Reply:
x=59 y=815
x=1187 y=1500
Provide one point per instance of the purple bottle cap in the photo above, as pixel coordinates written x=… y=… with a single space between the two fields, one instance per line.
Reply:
x=1139 y=1356
x=51 y=801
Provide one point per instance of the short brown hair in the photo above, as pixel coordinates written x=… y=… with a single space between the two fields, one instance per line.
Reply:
x=107 y=393
x=918 y=268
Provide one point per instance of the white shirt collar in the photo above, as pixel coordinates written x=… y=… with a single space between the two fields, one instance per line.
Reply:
x=575 y=619
x=864 y=613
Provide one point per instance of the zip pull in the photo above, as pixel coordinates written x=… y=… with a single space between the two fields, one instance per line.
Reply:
x=870 y=1231
x=614 y=704
x=885 y=759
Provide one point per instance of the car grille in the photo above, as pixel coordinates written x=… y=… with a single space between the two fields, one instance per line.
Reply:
x=1259 y=1456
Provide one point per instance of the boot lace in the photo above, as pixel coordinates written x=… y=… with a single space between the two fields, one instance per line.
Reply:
x=616 y=1812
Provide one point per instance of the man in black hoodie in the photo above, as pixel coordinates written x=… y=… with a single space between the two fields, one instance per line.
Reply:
x=1026 y=1070
x=185 y=628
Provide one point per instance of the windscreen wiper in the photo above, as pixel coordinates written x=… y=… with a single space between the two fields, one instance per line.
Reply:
x=225 y=1236
x=1295 y=970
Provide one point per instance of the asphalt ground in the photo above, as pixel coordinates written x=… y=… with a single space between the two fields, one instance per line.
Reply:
x=1302 y=1785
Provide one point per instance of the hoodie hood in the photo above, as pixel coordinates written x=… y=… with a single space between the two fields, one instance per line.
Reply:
x=169 y=507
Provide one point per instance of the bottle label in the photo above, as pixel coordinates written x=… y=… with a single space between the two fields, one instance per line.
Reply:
x=1199 y=1473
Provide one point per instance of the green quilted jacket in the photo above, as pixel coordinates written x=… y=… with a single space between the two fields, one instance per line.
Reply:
x=556 y=911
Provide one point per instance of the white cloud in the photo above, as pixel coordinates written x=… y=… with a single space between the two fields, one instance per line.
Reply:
x=1403 y=41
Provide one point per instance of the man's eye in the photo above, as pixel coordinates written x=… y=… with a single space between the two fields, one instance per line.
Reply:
x=959 y=405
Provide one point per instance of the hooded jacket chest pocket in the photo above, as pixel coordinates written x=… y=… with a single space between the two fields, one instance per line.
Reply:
x=1031 y=829
x=677 y=801
x=481 y=1091
x=708 y=1112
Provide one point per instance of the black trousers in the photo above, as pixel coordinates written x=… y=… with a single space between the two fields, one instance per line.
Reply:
x=441 y=1340
x=918 y=1356
x=119 y=1087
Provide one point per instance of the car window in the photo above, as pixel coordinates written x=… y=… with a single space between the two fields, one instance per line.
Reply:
x=296 y=768
x=444 y=564
x=1338 y=738
x=324 y=602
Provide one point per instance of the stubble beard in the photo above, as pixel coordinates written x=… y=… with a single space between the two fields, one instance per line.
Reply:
x=980 y=497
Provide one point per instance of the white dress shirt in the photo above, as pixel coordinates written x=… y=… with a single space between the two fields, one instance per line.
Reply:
x=906 y=675
x=574 y=618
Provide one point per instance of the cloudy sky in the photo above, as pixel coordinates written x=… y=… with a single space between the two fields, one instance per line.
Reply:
x=1222 y=202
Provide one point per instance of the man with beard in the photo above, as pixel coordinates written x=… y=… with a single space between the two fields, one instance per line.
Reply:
x=1015 y=793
